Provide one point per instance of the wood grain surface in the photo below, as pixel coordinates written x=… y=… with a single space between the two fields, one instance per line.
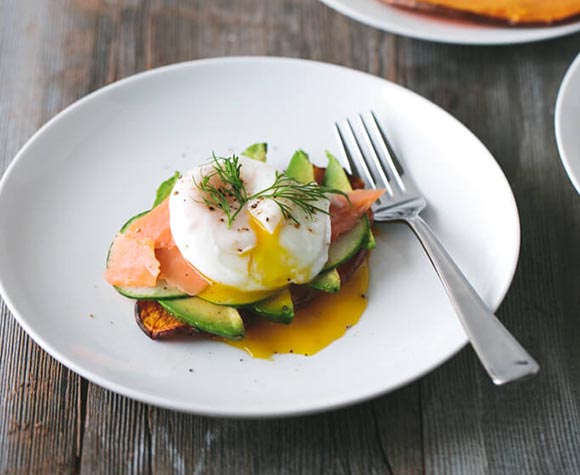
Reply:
x=453 y=421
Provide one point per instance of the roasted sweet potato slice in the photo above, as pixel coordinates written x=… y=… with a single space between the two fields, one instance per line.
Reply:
x=319 y=174
x=157 y=323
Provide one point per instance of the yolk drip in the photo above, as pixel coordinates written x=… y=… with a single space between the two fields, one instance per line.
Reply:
x=270 y=263
x=315 y=325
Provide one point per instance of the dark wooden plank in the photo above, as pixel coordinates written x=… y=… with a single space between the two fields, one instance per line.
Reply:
x=39 y=424
x=39 y=399
x=398 y=424
x=340 y=442
x=507 y=96
x=58 y=51
x=116 y=436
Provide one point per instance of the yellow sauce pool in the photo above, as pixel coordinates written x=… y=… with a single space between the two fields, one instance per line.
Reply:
x=316 y=324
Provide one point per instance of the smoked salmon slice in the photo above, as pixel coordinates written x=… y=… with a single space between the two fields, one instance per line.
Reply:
x=153 y=225
x=132 y=262
x=178 y=272
x=345 y=215
x=146 y=251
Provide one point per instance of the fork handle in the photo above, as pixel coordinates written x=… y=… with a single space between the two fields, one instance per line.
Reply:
x=502 y=356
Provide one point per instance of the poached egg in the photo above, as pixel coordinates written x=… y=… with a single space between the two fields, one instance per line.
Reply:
x=261 y=251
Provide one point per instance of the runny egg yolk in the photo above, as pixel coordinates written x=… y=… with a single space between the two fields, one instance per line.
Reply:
x=315 y=325
x=270 y=264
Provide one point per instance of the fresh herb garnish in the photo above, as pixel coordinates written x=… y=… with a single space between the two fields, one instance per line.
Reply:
x=224 y=189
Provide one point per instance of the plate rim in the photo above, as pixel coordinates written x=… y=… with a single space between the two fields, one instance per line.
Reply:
x=341 y=7
x=200 y=409
x=567 y=162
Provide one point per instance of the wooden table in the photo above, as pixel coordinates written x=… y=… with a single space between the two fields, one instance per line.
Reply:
x=454 y=420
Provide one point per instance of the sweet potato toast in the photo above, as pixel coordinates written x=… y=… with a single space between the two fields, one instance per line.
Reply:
x=157 y=323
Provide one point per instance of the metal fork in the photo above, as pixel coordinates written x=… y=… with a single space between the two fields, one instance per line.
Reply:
x=371 y=157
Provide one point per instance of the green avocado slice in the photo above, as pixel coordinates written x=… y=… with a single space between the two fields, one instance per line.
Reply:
x=257 y=151
x=300 y=168
x=207 y=317
x=165 y=188
x=328 y=281
x=278 y=308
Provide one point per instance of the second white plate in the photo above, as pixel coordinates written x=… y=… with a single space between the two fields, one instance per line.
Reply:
x=99 y=162
x=444 y=30
x=567 y=122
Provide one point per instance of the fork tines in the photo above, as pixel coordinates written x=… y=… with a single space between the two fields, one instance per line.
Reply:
x=369 y=153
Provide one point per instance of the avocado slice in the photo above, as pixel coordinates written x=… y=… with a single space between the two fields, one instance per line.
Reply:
x=300 y=168
x=278 y=308
x=257 y=151
x=328 y=281
x=233 y=298
x=207 y=317
x=165 y=188
x=335 y=176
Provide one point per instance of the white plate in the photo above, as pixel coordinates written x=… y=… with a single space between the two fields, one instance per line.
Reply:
x=567 y=122
x=444 y=30
x=99 y=162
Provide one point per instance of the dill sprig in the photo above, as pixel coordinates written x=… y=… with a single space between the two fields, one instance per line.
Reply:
x=286 y=190
x=224 y=189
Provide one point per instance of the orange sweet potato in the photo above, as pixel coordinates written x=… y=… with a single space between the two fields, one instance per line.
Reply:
x=157 y=323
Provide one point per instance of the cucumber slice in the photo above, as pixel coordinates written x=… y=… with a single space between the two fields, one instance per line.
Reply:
x=350 y=243
x=278 y=308
x=327 y=282
x=371 y=242
x=130 y=220
x=207 y=317
x=347 y=245
x=161 y=291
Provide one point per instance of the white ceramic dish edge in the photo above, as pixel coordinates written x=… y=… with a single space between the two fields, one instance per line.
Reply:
x=567 y=161
x=524 y=34
x=169 y=404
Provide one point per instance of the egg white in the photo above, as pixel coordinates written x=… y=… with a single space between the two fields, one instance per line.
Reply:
x=224 y=255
